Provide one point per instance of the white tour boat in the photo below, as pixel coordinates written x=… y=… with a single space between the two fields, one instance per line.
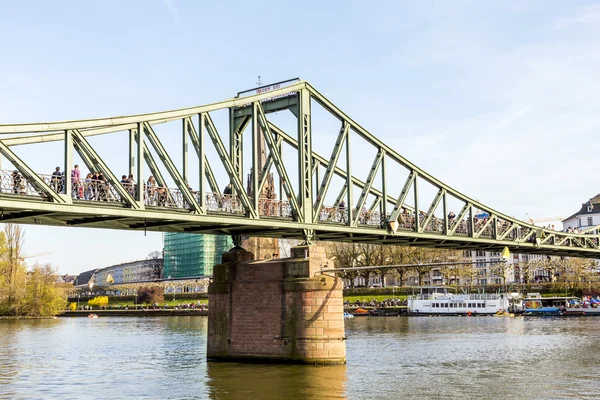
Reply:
x=438 y=300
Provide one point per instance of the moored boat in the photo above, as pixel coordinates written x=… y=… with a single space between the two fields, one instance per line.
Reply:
x=560 y=305
x=437 y=300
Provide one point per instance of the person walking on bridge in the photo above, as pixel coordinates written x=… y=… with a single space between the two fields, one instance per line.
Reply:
x=76 y=182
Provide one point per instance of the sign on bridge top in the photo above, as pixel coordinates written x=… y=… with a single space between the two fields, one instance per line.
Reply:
x=267 y=88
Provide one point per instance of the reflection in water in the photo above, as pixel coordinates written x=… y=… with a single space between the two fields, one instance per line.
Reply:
x=290 y=382
x=388 y=358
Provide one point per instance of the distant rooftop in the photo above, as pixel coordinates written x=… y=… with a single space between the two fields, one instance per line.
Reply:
x=592 y=206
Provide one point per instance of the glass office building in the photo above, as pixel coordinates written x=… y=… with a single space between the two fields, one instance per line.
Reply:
x=189 y=255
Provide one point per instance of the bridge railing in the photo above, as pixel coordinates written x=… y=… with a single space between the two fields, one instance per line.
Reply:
x=86 y=190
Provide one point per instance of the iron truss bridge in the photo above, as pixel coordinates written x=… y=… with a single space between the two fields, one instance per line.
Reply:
x=320 y=196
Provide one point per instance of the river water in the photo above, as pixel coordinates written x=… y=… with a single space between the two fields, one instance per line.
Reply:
x=388 y=358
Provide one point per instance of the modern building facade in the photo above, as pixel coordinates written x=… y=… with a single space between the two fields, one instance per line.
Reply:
x=191 y=255
x=130 y=272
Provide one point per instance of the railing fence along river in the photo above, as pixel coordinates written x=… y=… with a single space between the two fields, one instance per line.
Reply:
x=388 y=358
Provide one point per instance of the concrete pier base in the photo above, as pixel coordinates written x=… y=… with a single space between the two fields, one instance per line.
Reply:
x=277 y=310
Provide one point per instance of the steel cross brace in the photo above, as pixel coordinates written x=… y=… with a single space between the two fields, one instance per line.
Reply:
x=436 y=201
x=368 y=184
x=170 y=166
x=393 y=220
x=459 y=219
x=30 y=175
x=198 y=143
x=237 y=184
x=484 y=227
x=335 y=155
x=278 y=161
x=84 y=145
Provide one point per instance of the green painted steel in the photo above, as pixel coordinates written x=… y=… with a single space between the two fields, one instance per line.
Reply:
x=371 y=210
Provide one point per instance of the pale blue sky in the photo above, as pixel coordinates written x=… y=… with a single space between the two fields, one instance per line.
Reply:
x=498 y=99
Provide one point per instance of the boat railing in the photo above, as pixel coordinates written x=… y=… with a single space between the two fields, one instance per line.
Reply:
x=471 y=296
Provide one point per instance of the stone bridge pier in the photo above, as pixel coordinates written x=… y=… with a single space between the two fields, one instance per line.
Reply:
x=278 y=310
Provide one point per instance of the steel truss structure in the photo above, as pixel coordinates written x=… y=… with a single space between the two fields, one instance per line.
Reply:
x=368 y=210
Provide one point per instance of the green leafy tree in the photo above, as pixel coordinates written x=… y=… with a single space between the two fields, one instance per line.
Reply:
x=12 y=270
x=43 y=296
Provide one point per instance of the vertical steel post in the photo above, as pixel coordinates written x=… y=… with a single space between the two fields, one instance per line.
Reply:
x=140 y=164
x=471 y=222
x=68 y=184
x=236 y=146
x=383 y=206
x=255 y=158
x=349 y=183
x=184 y=150
x=305 y=156
x=201 y=162
x=416 y=189
x=132 y=133
x=445 y=205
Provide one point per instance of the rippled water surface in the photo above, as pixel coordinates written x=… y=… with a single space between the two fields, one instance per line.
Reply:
x=388 y=358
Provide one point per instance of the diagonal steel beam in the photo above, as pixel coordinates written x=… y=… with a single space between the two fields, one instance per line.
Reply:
x=508 y=231
x=212 y=181
x=375 y=204
x=234 y=178
x=264 y=174
x=84 y=145
x=31 y=177
x=547 y=238
x=335 y=155
x=325 y=163
x=432 y=208
x=197 y=142
x=393 y=221
x=459 y=218
x=484 y=227
x=531 y=232
x=171 y=169
x=84 y=157
x=591 y=228
x=340 y=196
x=281 y=170
x=155 y=171
x=369 y=183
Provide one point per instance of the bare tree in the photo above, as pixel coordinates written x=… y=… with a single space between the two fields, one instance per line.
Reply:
x=344 y=255
x=14 y=268
x=285 y=247
x=154 y=266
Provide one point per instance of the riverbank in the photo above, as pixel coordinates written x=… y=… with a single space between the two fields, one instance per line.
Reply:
x=136 y=313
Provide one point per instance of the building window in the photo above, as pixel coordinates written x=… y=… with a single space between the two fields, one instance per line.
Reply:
x=467 y=253
x=590 y=221
x=579 y=222
x=480 y=253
